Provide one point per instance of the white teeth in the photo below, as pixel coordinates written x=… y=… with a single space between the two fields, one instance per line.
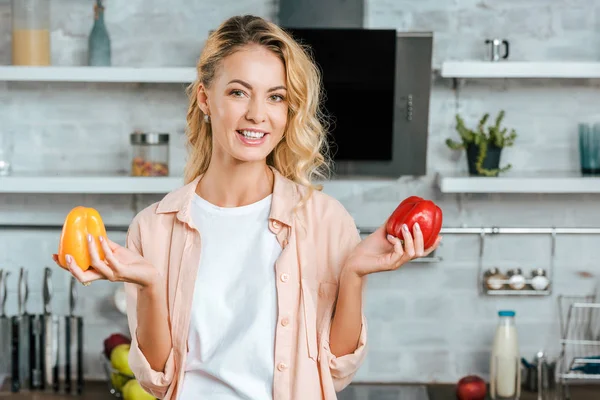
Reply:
x=252 y=134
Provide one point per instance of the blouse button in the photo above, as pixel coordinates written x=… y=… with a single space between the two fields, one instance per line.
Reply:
x=282 y=367
x=275 y=224
x=285 y=277
x=285 y=322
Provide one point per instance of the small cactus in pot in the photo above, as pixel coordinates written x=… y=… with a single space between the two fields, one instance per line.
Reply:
x=483 y=146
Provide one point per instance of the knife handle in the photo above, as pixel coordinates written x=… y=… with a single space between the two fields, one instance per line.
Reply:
x=79 y=355
x=15 y=378
x=55 y=358
x=24 y=351
x=35 y=349
x=68 y=354
x=41 y=355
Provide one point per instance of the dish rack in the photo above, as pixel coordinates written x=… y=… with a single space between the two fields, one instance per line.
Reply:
x=579 y=360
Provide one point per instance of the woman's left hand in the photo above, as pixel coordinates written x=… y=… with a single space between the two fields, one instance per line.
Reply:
x=382 y=252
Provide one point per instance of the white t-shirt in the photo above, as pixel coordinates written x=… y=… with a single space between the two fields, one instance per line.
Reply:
x=234 y=311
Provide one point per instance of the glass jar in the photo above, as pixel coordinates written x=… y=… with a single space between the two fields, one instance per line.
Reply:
x=31 y=32
x=150 y=154
x=494 y=279
x=539 y=280
x=516 y=280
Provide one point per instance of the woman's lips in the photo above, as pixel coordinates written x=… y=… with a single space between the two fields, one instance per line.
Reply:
x=252 y=137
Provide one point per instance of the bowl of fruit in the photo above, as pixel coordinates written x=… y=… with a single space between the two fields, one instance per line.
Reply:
x=115 y=360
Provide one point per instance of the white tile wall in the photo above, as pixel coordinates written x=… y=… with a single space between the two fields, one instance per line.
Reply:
x=427 y=322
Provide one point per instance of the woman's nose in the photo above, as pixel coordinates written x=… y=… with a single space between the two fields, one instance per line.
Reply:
x=256 y=111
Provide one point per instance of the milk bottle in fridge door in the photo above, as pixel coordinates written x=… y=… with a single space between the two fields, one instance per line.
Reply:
x=505 y=374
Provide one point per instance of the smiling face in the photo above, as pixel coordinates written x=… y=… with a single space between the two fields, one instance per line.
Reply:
x=247 y=105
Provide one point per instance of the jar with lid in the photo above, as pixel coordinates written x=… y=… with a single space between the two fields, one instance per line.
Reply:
x=539 y=280
x=150 y=154
x=494 y=279
x=31 y=32
x=516 y=280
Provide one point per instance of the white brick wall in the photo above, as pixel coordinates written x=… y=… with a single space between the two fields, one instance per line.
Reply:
x=427 y=322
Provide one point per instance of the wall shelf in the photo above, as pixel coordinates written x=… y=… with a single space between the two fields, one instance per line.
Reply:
x=97 y=74
x=519 y=184
x=518 y=292
x=88 y=184
x=520 y=69
x=124 y=184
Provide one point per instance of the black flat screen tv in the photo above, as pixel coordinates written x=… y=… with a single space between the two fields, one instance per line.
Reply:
x=358 y=68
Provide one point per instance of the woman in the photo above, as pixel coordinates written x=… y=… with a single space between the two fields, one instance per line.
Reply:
x=247 y=283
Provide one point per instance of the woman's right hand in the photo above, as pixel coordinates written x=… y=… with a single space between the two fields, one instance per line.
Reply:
x=121 y=265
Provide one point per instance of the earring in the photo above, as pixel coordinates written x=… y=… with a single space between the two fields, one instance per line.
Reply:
x=206 y=118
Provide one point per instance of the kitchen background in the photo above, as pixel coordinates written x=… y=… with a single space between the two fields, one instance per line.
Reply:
x=427 y=321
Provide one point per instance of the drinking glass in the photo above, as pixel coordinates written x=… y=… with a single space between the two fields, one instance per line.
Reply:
x=6 y=152
x=589 y=148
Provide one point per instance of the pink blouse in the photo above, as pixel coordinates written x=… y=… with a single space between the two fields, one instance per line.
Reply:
x=316 y=239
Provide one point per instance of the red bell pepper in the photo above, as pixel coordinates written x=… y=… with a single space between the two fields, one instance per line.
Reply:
x=416 y=209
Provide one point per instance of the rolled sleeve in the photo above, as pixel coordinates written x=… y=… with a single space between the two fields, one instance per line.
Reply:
x=154 y=382
x=345 y=367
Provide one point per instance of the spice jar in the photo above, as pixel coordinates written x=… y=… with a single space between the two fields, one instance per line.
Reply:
x=150 y=154
x=516 y=280
x=494 y=279
x=31 y=32
x=539 y=280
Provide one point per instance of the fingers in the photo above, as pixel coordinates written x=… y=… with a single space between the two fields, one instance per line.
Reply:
x=409 y=246
x=394 y=259
x=397 y=243
x=111 y=259
x=99 y=265
x=418 y=240
x=55 y=258
x=81 y=275
x=108 y=252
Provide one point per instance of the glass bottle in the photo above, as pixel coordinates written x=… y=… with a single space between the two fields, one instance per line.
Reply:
x=31 y=32
x=505 y=362
x=99 y=41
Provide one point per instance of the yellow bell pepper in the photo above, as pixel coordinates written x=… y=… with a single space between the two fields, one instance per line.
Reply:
x=73 y=241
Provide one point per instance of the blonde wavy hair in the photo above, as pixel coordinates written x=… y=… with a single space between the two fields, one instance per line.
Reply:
x=302 y=154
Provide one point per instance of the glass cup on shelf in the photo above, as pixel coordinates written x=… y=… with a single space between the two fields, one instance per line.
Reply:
x=589 y=148
x=6 y=152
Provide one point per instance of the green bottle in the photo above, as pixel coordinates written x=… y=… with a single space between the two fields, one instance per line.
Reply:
x=99 y=41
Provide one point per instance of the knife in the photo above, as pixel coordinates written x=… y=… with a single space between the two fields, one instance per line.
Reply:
x=14 y=351
x=78 y=328
x=35 y=350
x=74 y=345
x=23 y=327
x=50 y=342
x=5 y=326
x=71 y=339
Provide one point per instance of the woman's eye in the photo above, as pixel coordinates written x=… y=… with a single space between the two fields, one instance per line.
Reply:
x=277 y=98
x=237 y=93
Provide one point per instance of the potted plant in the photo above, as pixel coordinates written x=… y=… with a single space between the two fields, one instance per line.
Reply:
x=483 y=146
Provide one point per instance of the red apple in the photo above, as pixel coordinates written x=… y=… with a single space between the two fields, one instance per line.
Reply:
x=471 y=387
x=113 y=341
